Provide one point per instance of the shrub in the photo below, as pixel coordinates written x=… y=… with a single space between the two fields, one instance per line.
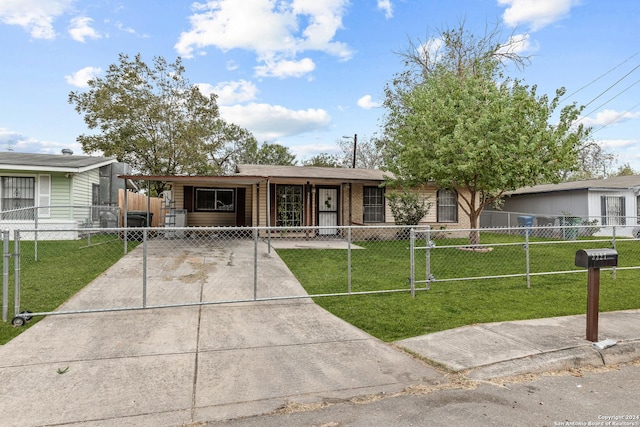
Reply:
x=407 y=208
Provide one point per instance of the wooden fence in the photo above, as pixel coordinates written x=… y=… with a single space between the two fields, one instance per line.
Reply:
x=137 y=202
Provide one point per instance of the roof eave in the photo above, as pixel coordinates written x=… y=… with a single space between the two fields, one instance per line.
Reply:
x=63 y=169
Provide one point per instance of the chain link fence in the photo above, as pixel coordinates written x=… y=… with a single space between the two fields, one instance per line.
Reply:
x=142 y=267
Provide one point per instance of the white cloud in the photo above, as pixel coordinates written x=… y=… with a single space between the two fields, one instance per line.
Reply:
x=617 y=143
x=231 y=66
x=386 y=7
x=35 y=16
x=14 y=141
x=609 y=117
x=231 y=92
x=519 y=44
x=268 y=122
x=81 y=77
x=80 y=29
x=430 y=50
x=285 y=68
x=367 y=103
x=277 y=33
x=120 y=26
x=306 y=151
x=535 y=13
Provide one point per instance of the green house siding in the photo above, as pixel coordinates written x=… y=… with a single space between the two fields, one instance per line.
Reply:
x=60 y=195
x=82 y=187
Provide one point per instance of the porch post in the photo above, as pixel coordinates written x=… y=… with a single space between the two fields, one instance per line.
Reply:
x=313 y=205
x=308 y=213
x=256 y=221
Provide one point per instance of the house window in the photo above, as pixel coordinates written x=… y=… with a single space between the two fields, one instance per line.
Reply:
x=289 y=205
x=214 y=199
x=612 y=210
x=373 y=206
x=447 y=201
x=17 y=193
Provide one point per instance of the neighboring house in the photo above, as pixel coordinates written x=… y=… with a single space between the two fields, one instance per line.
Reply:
x=606 y=202
x=293 y=196
x=57 y=191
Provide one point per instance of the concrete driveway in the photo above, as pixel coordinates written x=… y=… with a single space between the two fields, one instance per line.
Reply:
x=181 y=366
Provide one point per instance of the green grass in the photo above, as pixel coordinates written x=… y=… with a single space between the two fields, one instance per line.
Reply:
x=62 y=268
x=384 y=265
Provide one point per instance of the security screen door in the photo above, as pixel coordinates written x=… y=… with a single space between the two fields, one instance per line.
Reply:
x=328 y=211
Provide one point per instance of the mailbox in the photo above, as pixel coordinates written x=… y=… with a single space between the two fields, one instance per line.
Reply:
x=596 y=258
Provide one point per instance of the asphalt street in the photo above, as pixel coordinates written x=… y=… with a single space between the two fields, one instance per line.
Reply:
x=606 y=396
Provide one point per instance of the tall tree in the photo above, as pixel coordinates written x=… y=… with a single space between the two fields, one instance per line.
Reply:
x=625 y=170
x=594 y=162
x=324 y=160
x=227 y=146
x=152 y=118
x=453 y=119
x=268 y=154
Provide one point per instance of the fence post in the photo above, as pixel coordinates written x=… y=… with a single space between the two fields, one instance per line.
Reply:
x=35 y=234
x=5 y=275
x=144 y=266
x=255 y=263
x=428 y=245
x=528 y=255
x=16 y=272
x=349 y=258
x=125 y=222
x=412 y=247
x=613 y=246
x=613 y=238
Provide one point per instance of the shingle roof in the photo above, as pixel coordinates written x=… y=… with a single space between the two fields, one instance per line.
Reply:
x=51 y=162
x=612 y=183
x=311 y=172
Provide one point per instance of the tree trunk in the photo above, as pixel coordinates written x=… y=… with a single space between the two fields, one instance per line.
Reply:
x=474 y=234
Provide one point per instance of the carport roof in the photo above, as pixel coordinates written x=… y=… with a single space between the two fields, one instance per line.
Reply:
x=202 y=179
x=253 y=174
x=312 y=172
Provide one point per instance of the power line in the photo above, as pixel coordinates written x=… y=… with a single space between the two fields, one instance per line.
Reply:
x=615 y=119
x=599 y=77
x=610 y=99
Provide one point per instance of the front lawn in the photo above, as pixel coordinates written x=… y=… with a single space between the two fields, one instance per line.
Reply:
x=384 y=265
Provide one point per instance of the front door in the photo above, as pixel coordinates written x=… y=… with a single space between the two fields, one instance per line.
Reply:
x=328 y=211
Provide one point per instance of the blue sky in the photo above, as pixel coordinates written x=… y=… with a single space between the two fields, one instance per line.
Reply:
x=305 y=73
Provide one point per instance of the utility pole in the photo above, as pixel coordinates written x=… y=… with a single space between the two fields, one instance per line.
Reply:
x=355 y=145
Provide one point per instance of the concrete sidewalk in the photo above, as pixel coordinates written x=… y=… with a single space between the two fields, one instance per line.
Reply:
x=512 y=348
x=185 y=365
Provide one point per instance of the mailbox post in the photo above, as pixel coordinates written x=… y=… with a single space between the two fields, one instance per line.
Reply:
x=593 y=260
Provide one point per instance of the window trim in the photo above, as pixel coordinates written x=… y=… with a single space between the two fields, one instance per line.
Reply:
x=380 y=206
x=607 y=203
x=34 y=192
x=216 y=190
x=453 y=206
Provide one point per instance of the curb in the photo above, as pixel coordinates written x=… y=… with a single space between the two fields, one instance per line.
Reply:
x=622 y=352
